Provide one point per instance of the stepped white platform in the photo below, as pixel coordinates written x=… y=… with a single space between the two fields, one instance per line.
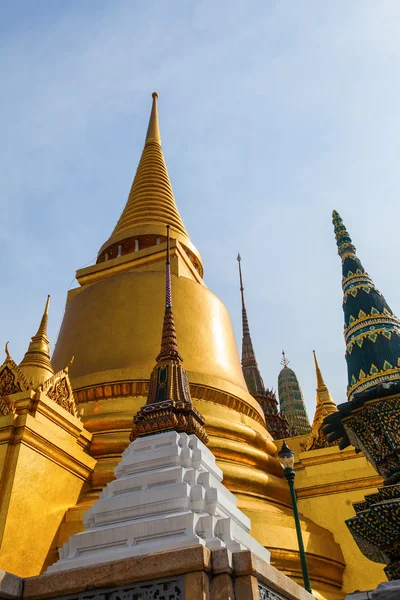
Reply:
x=168 y=494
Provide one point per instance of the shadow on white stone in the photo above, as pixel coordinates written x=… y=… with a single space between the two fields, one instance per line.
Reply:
x=388 y=590
x=168 y=494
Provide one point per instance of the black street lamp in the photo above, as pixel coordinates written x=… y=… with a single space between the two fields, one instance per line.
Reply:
x=286 y=458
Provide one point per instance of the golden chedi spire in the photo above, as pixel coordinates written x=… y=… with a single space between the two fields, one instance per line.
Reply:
x=169 y=404
x=36 y=364
x=325 y=406
x=151 y=203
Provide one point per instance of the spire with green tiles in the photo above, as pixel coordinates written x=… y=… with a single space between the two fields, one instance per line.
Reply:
x=291 y=400
x=371 y=330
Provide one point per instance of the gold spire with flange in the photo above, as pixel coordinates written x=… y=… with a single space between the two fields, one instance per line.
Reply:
x=36 y=364
x=151 y=203
x=325 y=406
x=169 y=403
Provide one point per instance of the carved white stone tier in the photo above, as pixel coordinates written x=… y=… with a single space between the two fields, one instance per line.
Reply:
x=168 y=494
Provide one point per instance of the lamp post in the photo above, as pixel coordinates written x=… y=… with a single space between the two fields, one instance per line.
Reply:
x=286 y=458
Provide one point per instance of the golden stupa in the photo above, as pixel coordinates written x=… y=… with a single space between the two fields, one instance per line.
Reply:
x=111 y=326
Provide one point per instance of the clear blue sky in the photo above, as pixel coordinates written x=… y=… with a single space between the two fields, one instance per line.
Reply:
x=272 y=114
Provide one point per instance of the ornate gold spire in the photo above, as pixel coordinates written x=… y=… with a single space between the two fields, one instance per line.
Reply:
x=325 y=406
x=169 y=404
x=36 y=363
x=151 y=204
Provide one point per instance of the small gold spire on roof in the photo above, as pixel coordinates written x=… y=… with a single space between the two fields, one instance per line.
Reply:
x=42 y=331
x=36 y=363
x=320 y=380
x=325 y=406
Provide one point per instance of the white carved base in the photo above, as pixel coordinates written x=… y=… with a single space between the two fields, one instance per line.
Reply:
x=167 y=495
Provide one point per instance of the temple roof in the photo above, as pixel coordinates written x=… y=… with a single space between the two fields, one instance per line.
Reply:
x=371 y=330
x=291 y=399
x=151 y=203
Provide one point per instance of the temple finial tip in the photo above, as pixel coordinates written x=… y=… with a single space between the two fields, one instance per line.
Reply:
x=239 y=258
x=284 y=360
x=153 y=131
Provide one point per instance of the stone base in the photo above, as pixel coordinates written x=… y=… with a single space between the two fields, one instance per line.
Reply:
x=168 y=494
x=389 y=590
x=359 y=596
x=188 y=574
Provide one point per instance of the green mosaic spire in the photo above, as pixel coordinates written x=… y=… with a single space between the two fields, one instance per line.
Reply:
x=371 y=330
x=291 y=400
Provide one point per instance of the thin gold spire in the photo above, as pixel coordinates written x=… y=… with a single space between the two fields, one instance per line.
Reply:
x=320 y=380
x=325 y=401
x=169 y=403
x=153 y=131
x=325 y=406
x=151 y=203
x=42 y=331
x=36 y=363
x=169 y=346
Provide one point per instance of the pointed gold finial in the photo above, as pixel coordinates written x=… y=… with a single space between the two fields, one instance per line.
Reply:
x=153 y=131
x=325 y=406
x=36 y=364
x=151 y=203
x=284 y=360
x=43 y=323
x=8 y=357
x=320 y=379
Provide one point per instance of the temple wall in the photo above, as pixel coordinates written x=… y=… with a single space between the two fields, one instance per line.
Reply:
x=328 y=481
x=190 y=574
x=43 y=469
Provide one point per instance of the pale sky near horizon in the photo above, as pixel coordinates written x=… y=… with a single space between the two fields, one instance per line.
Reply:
x=272 y=114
